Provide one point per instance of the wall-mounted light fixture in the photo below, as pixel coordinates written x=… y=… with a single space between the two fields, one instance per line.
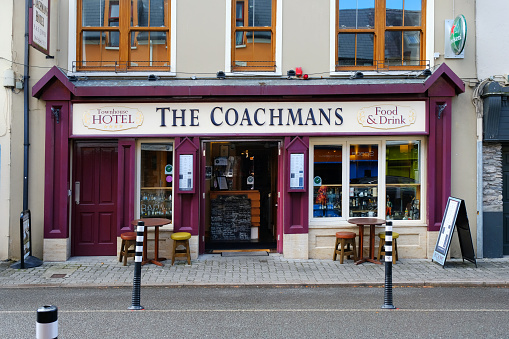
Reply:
x=426 y=72
x=290 y=73
x=357 y=75
x=220 y=75
x=152 y=77
x=55 y=111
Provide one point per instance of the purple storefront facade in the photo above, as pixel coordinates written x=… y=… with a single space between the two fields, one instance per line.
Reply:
x=211 y=120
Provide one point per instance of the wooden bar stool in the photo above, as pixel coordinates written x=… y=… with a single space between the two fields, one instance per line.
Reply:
x=381 y=249
x=342 y=247
x=128 y=240
x=181 y=239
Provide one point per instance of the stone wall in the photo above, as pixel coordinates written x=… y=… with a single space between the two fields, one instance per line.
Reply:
x=492 y=177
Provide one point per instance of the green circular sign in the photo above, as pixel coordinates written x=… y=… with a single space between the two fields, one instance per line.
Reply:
x=458 y=35
x=317 y=181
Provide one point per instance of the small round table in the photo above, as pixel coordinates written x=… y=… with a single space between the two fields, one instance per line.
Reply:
x=371 y=222
x=152 y=222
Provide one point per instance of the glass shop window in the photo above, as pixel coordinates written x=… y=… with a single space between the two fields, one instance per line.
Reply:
x=363 y=193
x=156 y=180
x=327 y=181
x=403 y=180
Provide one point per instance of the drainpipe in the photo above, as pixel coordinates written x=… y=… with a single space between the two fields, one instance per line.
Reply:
x=26 y=89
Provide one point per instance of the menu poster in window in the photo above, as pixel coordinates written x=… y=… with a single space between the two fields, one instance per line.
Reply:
x=455 y=215
x=186 y=172
x=297 y=171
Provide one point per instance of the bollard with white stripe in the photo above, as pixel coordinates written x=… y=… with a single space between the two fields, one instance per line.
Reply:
x=137 y=268
x=47 y=322
x=388 y=267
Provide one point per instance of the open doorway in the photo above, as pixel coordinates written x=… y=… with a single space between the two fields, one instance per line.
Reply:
x=240 y=195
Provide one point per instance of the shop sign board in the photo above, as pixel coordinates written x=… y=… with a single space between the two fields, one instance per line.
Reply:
x=455 y=217
x=257 y=118
x=39 y=25
x=458 y=35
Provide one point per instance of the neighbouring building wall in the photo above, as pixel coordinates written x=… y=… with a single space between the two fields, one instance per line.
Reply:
x=463 y=137
x=6 y=95
x=492 y=51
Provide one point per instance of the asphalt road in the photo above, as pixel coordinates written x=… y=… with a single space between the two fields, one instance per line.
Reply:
x=260 y=312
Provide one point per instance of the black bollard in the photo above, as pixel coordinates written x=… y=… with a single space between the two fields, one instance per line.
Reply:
x=47 y=322
x=388 y=267
x=137 y=268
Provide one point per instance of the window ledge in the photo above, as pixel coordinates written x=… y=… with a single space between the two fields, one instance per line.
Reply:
x=124 y=74
x=254 y=74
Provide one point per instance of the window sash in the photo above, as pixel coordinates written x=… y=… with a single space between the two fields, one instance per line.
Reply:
x=253 y=47
x=119 y=34
x=355 y=23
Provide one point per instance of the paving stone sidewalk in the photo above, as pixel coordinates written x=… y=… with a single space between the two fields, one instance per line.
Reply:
x=271 y=270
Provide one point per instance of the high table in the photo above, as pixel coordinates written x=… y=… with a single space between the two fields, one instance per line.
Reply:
x=152 y=222
x=371 y=222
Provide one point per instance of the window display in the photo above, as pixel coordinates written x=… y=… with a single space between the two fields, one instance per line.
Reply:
x=156 y=181
x=365 y=195
x=402 y=179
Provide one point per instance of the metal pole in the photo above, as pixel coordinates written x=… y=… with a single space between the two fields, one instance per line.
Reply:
x=26 y=89
x=137 y=267
x=388 y=267
x=47 y=322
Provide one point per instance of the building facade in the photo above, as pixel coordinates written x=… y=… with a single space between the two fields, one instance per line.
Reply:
x=261 y=128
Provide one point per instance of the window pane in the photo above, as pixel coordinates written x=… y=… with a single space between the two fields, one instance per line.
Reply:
x=156 y=180
x=393 y=53
x=150 y=13
x=95 y=50
x=403 y=173
x=348 y=43
x=394 y=13
x=259 y=13
x=365 y=49
x=151 y=49
x=346 y=49
x=411 y=48
x=327 y=183
x=256 y=54
x=363 y=180
x=356 y=13
x=92 y=13
x=413 y=9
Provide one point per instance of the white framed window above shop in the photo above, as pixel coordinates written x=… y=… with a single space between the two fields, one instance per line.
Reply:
x=253 y=37
x=367 y=178
x=122 y=37
x=155 y=177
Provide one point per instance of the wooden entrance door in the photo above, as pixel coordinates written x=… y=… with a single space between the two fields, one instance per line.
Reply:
x=94 y=199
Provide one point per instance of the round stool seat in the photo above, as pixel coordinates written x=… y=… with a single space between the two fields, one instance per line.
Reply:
x=181 y=236
x=345 y=235
x=395 y=235
x=128 y=236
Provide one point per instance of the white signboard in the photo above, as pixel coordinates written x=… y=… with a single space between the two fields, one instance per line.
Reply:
x=40 y=25
x=252 y=118
x=186 y=172
x=297 y=171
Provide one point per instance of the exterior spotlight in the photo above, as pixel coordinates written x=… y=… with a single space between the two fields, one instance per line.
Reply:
x=358 y=75
x=221 y=75
x=290 y=73
x=152 y=77
x=426 y=72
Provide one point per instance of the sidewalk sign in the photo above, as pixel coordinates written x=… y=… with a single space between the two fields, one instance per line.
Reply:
x=455 y=215
x=25 y=230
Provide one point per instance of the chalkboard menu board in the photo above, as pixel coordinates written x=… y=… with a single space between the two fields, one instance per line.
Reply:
x=455 y=215
x=230 y=218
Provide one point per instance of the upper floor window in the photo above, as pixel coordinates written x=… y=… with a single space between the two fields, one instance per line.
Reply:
x=253 y=35
x=123 y=35
x=380 y=34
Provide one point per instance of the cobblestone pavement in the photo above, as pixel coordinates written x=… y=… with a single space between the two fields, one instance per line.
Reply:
x=266 y=270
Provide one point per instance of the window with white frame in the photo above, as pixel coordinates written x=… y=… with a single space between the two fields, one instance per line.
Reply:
x=363 y=178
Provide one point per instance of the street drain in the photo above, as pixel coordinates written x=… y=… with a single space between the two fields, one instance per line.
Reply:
x=58 y=275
